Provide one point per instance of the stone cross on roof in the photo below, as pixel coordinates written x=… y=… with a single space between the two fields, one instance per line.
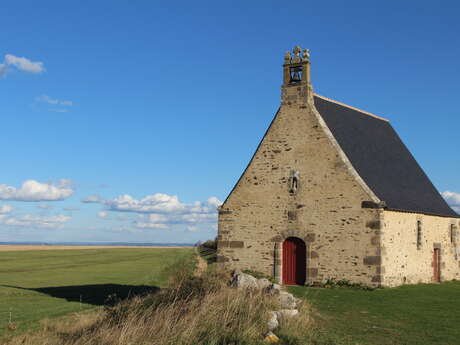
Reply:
x=296 y=57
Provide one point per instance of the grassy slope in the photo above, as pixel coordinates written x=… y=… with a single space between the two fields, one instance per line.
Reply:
x=91 y=273
x=421 y=314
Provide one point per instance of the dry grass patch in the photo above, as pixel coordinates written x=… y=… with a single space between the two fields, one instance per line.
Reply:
x=194 y=310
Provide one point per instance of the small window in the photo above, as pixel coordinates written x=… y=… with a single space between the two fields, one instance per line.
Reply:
x=419 y=234
x=452 y=234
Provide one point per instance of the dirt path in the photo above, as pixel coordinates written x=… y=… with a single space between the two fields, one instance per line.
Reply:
x=201 y=265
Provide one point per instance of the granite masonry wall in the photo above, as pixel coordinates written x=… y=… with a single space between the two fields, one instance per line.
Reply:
x=405 y=262
x=342 y=237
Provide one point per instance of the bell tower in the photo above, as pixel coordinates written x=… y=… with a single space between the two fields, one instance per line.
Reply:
x=296 y=88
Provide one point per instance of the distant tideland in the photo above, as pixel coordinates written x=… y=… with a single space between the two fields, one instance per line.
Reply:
x=333 y=193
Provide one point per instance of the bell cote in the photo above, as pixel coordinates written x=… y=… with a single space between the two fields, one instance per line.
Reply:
x=296 y=86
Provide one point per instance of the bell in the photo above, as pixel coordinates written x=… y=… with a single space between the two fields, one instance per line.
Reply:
x=296 y=74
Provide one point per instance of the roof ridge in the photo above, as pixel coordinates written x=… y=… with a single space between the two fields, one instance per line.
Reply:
x=350 y=107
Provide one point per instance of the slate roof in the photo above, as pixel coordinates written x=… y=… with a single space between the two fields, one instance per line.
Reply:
x=382 y=160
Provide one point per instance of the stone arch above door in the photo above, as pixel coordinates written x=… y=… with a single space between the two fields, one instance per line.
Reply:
x=294 y=261
x=312 y=256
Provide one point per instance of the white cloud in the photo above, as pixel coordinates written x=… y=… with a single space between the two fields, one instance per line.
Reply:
x=49 y=100
x=453 y=199
x=32 y=221
x=53 y=219
x=102 y=214
x=162 y=203
x=32 y=190
x=213 y=201
x=53 y=101
x=44 y=206
x=173 y=212
x=199 y=217
x=151 y=225
x=157 y=218
x=65 y=182
x=152 y=221
x=92 y=199
x=23 y=64
x=5 y=209
x=59 y=110
x=125 y=229
x=161 y=211
x=71 y=209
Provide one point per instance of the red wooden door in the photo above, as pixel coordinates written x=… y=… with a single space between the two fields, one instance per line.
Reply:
x=294 y=261
x=437 y=265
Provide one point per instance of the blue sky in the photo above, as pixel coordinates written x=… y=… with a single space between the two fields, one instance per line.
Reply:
x=149 y=111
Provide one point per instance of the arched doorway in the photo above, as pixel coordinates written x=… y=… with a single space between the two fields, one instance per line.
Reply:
x=294 y=261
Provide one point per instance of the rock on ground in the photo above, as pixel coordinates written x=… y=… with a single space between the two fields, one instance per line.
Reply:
x=242 y=280
x=272 y=322
x=263 y=283
x=287 y=300
x=286 y=313
x=273 y=289
x=271 y=337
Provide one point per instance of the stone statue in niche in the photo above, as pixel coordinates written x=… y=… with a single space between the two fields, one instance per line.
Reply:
x=294 y=181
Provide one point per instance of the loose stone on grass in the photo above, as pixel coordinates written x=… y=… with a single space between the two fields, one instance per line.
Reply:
x=273 y=289
x=286 y=313
x=242 y=280
x=271 y=337
x=272 y=322
x=286 y=300
x=263 y=283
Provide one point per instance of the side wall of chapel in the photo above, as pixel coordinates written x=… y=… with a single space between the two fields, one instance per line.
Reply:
x=405 y=262
x=342 y=238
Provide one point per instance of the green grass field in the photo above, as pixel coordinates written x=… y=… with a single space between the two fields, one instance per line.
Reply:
x=35 y=285
x=419 y=314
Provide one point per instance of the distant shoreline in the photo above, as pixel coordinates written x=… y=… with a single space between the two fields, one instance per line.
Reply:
x=14 y=246
x=24 y=247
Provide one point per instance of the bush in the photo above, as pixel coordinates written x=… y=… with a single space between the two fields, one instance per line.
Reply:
x=210 y=244
x=208 y=251
x=334 y=283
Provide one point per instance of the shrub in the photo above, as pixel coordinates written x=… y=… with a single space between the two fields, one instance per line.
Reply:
x=334 y=283
x=210 y=244
x=208 y=251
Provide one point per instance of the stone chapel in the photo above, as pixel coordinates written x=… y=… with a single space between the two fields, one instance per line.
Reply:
x=333 y=193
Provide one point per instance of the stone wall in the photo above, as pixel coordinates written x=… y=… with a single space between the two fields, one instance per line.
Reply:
x=342 y=237
x=403 y=262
